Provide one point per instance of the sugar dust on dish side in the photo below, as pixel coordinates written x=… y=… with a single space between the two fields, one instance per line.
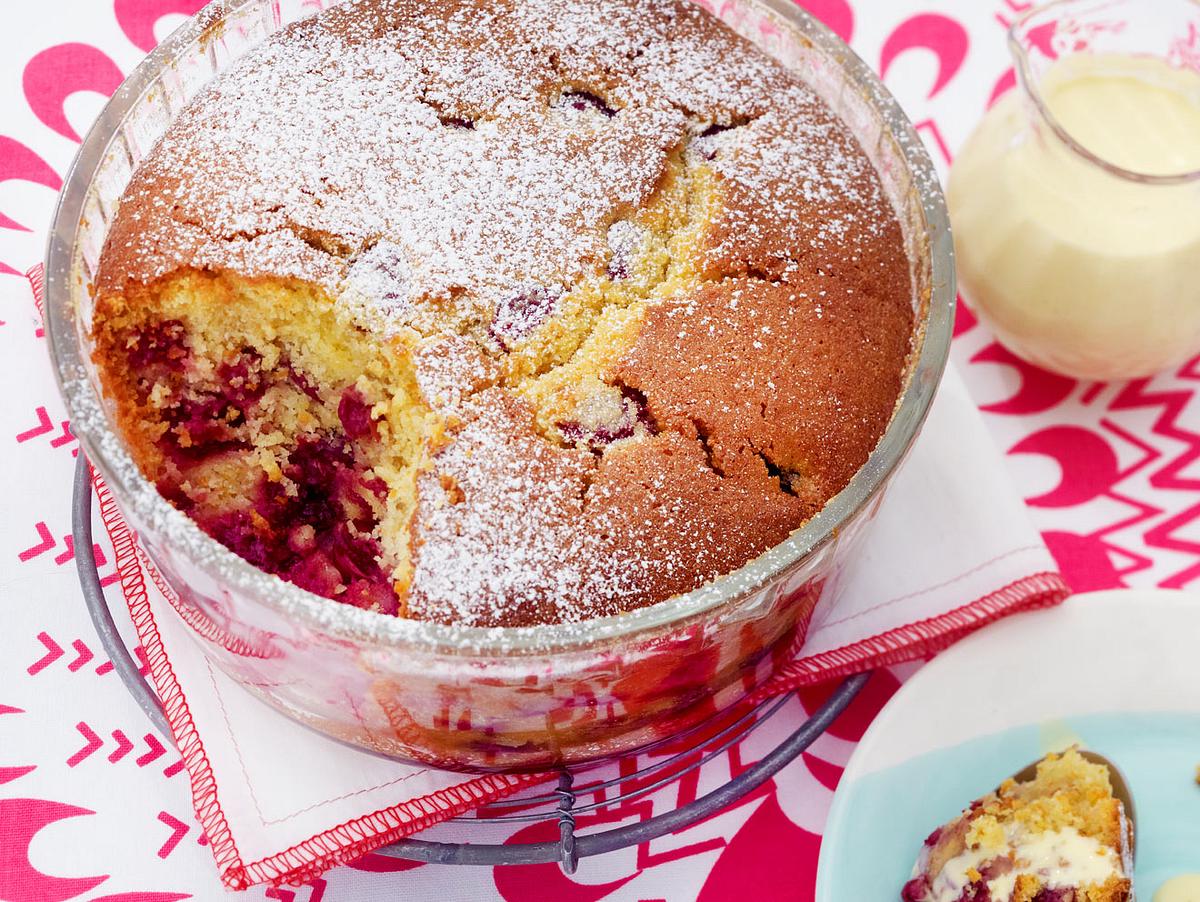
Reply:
x=1076 y=211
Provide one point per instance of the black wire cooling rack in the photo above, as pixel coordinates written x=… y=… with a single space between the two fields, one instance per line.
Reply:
x=561 y=804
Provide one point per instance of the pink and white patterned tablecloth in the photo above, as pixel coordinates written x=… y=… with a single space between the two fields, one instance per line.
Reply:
x=1110 y=472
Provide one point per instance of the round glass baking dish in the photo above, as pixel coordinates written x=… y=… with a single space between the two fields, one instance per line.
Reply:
x=489 y=698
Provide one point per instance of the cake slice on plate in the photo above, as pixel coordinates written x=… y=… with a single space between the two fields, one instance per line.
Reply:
x=1059 y=837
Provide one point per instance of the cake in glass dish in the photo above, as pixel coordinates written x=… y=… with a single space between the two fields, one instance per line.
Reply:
x=1060 y=837
x=503 y=314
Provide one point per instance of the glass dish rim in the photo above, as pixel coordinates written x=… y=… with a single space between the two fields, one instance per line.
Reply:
x=132 y=489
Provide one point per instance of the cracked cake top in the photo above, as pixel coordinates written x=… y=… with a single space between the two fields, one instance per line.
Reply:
x=654 y=301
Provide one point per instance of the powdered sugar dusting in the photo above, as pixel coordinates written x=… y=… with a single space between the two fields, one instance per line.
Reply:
x=347 y=130
x=453 y=169
x=469 y=571
x=449 y=370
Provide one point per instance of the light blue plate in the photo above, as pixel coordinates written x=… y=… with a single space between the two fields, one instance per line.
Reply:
x=900 y=785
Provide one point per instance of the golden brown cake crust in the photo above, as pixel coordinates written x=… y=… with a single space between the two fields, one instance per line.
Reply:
x=785 y=384
x=540 y=209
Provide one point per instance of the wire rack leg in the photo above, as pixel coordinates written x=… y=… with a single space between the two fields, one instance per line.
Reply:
x=568 y=855
x=106 y=628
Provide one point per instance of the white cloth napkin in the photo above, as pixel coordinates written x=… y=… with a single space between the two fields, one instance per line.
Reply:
x=952 y=548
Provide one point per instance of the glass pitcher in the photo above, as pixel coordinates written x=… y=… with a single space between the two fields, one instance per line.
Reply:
x=1076 y=202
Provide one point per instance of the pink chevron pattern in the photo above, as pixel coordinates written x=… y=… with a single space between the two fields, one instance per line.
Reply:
x=178 y=831
x=45 y=542
x=53 y=653
x=92 y=743
x=1111 y=474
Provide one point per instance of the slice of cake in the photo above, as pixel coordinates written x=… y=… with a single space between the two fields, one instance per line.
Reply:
x=1060 y=837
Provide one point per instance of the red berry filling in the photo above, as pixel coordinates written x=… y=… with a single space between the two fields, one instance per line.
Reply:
x=457 y=122
x=519 y=315
x=314 y=526
x=625 y=240
x=997 y=867
x=706 y=143
x=203 y=422
x=355 y=414
x=618 y=268
x=975 y=892
x=303 y=383
x=596 y=437
x=159 y=344
x=585 y=101
x=319 y=537
x=915 y=890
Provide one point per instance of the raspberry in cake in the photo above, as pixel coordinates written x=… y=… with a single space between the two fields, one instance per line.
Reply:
x=504 y=313
x=1060 y=837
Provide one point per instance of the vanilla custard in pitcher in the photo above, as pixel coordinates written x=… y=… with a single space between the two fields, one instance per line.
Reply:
x=1080 y=245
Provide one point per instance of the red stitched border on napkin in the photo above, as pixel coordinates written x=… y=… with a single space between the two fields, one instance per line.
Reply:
x=916 y=640
x=305 y=860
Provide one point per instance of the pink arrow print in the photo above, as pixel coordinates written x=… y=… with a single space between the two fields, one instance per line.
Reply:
x=178 y=831
x=43 y=546
x=65 y=436
x=123 y=746
x=84 y=653
x=155 y=750
x=53 y=653
x=47 y=542
x=93 y=742
x=287 y=895
x=44 y=425
x=69 y=551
